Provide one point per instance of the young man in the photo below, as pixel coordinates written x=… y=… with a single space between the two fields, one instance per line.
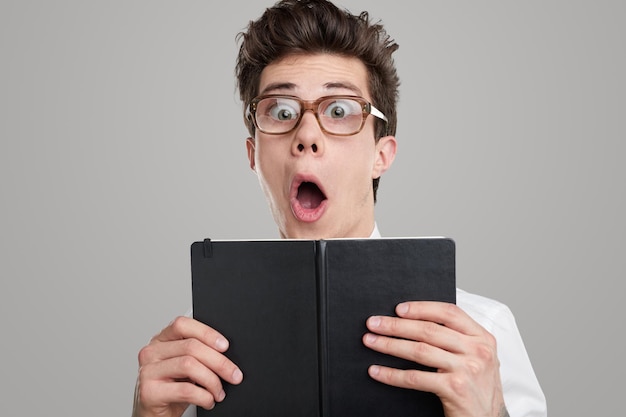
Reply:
x=319 y=88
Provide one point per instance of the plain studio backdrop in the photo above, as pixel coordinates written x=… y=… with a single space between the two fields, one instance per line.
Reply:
x=122 y=142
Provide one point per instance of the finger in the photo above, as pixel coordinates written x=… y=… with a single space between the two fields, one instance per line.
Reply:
x=192 y=348
x=448 y=314
x=183 y=370
x=418 y=352
x=412 y=379
x=418 y=330
x=186 y=327
x=158 y=351
x=165 y=393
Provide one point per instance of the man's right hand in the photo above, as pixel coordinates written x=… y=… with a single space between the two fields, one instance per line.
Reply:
x=183 y=364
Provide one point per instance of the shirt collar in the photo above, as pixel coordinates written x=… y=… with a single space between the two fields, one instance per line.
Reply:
x=375 y=233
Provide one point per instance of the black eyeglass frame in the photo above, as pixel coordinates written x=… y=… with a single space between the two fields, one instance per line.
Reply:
x=313 y=105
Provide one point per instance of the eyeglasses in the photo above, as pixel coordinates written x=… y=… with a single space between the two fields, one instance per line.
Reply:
x=336 y=115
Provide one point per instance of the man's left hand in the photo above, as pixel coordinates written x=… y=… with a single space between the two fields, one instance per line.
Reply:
x=442 y=336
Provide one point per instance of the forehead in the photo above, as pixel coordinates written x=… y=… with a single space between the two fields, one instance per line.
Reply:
x=312 y=76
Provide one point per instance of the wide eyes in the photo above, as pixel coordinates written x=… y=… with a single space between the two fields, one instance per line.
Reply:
x=284 y=110
x=338 y=109
x=277 y=114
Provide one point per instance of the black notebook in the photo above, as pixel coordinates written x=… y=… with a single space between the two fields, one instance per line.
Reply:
x=294 y=312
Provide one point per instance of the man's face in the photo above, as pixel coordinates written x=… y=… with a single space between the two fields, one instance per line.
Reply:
x=319 y=185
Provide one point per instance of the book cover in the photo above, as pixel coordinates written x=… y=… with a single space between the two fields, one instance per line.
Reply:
x=294 y=312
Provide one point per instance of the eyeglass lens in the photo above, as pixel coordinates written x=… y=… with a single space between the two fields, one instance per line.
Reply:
x=336 y=115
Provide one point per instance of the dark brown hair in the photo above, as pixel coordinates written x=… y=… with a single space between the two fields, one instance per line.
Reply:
x=318 y=26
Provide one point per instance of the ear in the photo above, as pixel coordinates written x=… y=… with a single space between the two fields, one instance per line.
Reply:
x=385 y=154
x=251 y=147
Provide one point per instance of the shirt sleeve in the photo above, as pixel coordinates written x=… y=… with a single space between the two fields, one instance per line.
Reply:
x=523 y=395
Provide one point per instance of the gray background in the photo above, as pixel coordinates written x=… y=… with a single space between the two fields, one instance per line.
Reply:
x=122 y=142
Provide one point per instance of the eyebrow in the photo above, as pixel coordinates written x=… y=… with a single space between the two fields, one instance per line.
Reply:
x=277 y=86
x=328 y=86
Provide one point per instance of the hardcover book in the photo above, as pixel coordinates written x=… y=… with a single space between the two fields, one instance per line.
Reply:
x=294 y=312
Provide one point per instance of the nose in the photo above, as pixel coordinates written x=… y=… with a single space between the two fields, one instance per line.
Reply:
x=308 y=136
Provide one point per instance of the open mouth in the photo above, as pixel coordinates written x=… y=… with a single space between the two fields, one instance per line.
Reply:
x=308 y=201
x=310 y=196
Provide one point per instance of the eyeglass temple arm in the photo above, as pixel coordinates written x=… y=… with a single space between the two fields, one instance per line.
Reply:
x=375 y=112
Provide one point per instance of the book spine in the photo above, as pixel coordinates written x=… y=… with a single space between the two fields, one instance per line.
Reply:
x=322 y=326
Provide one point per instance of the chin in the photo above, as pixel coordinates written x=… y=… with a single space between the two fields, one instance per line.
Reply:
x=307 y=231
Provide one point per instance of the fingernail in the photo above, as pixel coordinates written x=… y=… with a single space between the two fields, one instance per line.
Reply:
x=370 y=338
x=374 y=370
x=374 y=321
x=402 y=308
x=221 y=396
x=221 y=343
x=237 y=376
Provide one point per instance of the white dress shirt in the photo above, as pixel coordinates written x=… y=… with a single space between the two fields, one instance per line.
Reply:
x=522 y=393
